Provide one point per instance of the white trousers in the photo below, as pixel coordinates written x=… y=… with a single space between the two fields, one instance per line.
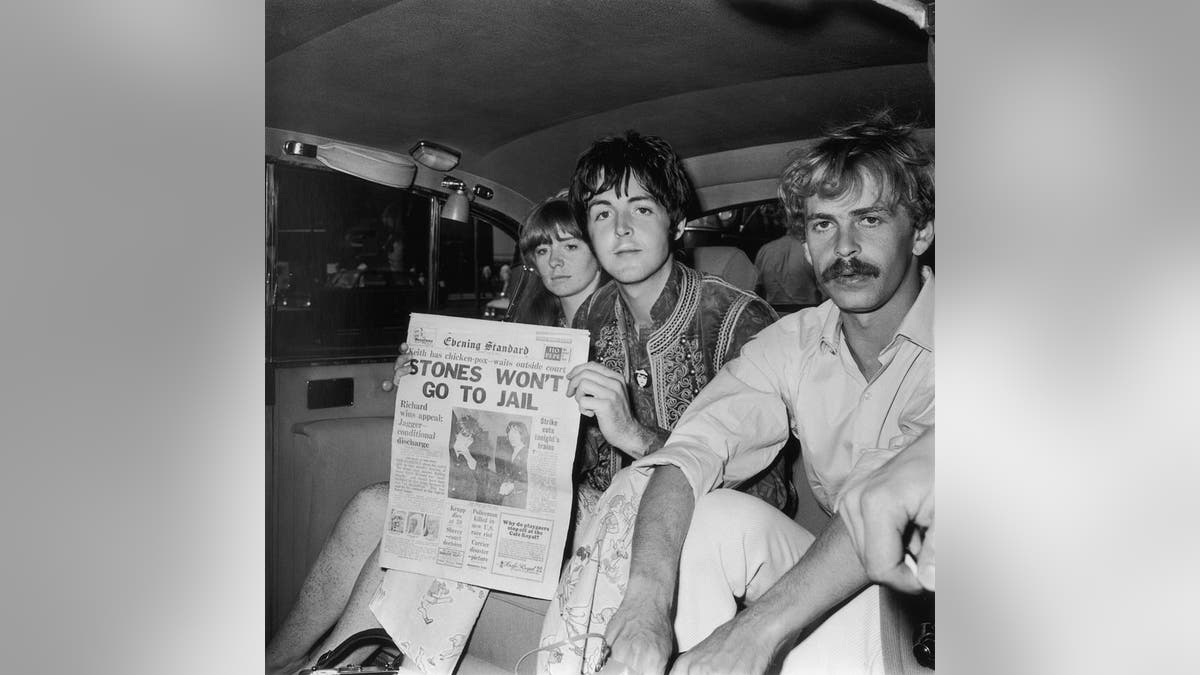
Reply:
x=736 y=548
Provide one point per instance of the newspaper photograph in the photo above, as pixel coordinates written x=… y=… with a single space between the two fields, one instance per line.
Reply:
x=483 y=442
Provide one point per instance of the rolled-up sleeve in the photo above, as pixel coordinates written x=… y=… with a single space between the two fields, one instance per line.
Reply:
x=736 y=425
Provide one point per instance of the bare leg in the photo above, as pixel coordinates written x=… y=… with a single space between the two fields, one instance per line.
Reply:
x=357 y=615
x=345 y=563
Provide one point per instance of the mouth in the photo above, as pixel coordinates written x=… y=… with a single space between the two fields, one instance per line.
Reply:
x=850 y=278
x=624 y=251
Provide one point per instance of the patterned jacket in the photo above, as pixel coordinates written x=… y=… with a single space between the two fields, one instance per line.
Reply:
x=699 y=323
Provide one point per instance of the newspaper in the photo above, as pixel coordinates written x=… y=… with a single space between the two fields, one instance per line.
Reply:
x=482 y=446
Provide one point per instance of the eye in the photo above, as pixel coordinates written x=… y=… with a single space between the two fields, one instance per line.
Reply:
x=599 y=214
x=571 y=246
x=819 y=225
x=871 y=221
x=645 y=210
x=541 y=251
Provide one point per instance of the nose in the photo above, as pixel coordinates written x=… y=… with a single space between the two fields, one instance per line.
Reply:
x=622 y=225
x=556 y=257
x=847 y=244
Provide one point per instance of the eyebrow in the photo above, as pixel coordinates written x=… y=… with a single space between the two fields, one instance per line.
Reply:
x=876 y=208
x=638 y=198
x=866 y=210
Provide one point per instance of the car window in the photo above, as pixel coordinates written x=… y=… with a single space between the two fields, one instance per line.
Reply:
x=348 y=260
x=747 y=226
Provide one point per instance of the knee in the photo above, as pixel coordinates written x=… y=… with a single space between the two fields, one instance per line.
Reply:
x=728 y=517
x=368 y=505
x=727 y=511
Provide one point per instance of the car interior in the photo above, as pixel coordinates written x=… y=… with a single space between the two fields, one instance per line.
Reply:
x=405 y=141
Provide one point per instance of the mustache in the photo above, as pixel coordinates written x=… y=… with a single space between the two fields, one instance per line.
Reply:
x=849 y=265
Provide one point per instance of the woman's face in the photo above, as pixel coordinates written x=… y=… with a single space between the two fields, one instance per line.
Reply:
x=514 y=438
x=566 y=265
x=462 y=439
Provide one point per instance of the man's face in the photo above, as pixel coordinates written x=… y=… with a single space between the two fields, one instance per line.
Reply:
x=566 y=265
x=630 y=233
x=860 y=249
x=514 y=438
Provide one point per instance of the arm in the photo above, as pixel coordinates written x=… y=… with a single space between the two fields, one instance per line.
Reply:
x=828 y=573
x=641 y=633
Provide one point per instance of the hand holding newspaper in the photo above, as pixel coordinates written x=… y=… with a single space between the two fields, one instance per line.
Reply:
x=483 y=442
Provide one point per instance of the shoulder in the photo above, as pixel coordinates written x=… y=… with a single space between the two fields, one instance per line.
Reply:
x=598 y=308
x=730 y=298
x=799 y=329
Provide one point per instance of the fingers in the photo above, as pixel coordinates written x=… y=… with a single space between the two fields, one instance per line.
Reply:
x=925 y=561
x=884 y=523
x=640 y=641
x=402 y=368
x=640 y=655
x=598 y=386
x=593 y=372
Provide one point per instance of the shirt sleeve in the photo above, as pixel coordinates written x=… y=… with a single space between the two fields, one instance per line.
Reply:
x=736 y=425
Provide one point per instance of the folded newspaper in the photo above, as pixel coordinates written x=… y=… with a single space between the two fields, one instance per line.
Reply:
x=482 y=446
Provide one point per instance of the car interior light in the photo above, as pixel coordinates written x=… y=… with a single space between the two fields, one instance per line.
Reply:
x=457 y=205
x=435 y=156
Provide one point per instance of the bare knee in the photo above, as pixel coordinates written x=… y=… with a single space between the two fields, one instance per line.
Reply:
x=369 y=504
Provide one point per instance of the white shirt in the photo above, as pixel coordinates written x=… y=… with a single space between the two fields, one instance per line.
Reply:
x=798 y=376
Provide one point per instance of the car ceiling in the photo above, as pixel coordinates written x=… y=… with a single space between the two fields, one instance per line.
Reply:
x=521 y=87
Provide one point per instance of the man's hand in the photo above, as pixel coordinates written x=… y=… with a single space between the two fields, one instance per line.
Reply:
x=740 y=645
x=505 y=488
x=894 y=502
x=401 y=369
x=602 y=393
x=641 y=635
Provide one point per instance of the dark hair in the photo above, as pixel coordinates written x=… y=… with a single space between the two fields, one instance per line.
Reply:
x=611 y=161
x=544 y=224
x=467 y=424
x=839 y=162
x=521 y=429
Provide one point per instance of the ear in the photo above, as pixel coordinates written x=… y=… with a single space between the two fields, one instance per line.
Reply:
x=922 y=239
x=807 y=255
x=679 y=229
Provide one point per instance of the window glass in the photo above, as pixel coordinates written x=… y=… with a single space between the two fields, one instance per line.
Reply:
x=348 y=260
x=474 y=262
x=748 y=227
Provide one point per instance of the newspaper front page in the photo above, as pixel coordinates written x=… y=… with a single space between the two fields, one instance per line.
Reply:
x=482 y=447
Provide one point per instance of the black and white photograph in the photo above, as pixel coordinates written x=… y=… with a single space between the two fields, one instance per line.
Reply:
x=725 y=195
x=489 y=454
x=223 y=216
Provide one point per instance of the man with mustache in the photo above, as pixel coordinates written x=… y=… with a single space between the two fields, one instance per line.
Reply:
x=733 y=584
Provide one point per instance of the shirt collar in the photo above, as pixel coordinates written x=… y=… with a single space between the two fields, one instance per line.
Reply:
x=916 y=327
x=664 y=306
